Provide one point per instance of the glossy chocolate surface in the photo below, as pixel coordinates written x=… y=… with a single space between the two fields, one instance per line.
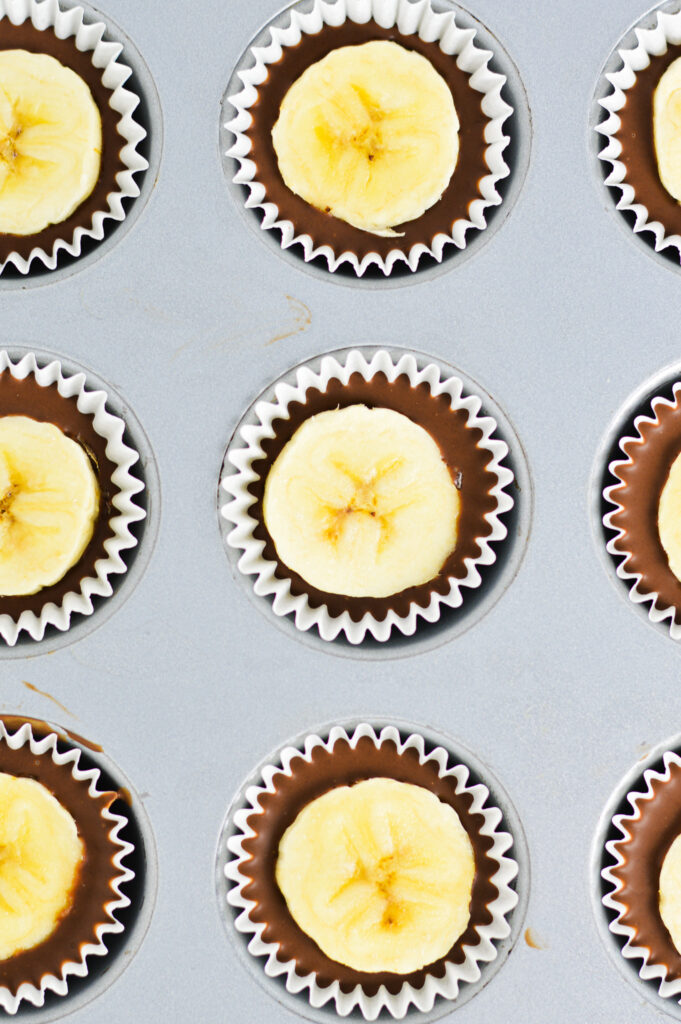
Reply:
x=658 y=825
x=93 y=888
x=27 y=398
x=638 y=146
x=459 y=445
x=345 y=766
x=639 y=495
x=27 y=37
x=463 y=188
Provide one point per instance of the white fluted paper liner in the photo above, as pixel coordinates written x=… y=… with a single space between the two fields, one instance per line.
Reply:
x=411 y=19
x=59 y=984
x=652 y=42
x=247 y=448
x=423 y=998
x=47 y=15
x=657 y=611
x=93 y=404
x=637 y=799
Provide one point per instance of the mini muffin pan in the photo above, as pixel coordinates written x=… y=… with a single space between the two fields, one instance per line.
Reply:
x=557 y=690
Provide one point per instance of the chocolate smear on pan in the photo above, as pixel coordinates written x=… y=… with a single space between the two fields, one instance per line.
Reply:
x=652 y=832
x=642 y=480
x=638 y=147
x=459 y=444
x=27 y=37
x=345 y=766
x=97 y=873
x=28 y=398
x=463 y=188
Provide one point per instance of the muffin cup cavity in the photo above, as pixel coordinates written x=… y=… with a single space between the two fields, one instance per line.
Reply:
x=56 y=973
x=88 y=38
x=651 y=46
x=419 y=20
x=441 y=981
x=334 y=615
x=642 y=830
x=631 y=520
x=96 y=582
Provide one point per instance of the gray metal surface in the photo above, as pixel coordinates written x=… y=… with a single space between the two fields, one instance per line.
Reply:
x=559 y=689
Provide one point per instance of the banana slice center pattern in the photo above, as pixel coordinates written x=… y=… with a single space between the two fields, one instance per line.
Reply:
x=379 y=875
x=360 y=502
x=368 y=134
x=40 y=858
x=49 y=503
x=50 y=142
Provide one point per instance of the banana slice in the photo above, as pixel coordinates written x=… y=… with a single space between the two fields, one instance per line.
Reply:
x=670 y=892
x=669 y=517
x=379 y=875
x=49 y=502
x=40 y=857
x=50 y=142
x=667 y=128
x=360 y=502
x=368 y=134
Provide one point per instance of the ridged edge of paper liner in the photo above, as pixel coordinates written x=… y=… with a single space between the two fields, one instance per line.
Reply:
x=411 y=19
x=251 y=562
x=656 y=612
x=651 y=42
x=10 y=1002
x=397 y=1005
x=637 y=799
x=88 y=37
x=112 y=428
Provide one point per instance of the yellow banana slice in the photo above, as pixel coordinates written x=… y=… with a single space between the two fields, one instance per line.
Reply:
x=360 y=502
x=49 y=502
x=50 y=142
x=669 y=517
x=379 y=875
x=368 y=134
x=40 y=857
x=670 y=892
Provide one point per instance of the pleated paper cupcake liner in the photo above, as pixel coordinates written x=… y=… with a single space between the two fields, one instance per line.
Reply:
x=47 y=15
x=419 y=18
x=57 y=981
x=127 y=511
x=650 y=43
x=613 y=899
x=370 y=1006
x=658 y=610
x=247 y=449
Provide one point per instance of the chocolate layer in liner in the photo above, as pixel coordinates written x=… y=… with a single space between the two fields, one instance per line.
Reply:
x=27 y=398
x=639 y=495
x=27 y=37
x=657 y=826
x=97 y=872
x=345 y=766
x=463 y=187
x=638 y=148
x=459 y=445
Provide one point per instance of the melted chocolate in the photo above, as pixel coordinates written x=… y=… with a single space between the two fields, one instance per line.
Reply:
x=652 y=833
x=27 y=398
x=463 y=188
x=638 y=146
x=93 y=888
x=459 y=445
x=639 y=494
x=342 y=767
x=27 y=37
